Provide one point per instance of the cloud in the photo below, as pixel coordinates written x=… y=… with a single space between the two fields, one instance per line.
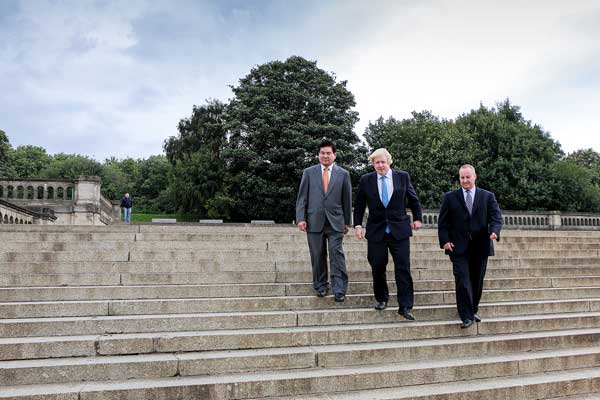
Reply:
x=113 y=78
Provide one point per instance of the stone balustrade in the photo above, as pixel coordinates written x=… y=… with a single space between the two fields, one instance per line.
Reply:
x=12 y=214
x=74 y=201
x=547 y=220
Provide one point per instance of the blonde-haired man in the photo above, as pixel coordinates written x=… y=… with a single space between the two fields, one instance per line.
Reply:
x=387 y=193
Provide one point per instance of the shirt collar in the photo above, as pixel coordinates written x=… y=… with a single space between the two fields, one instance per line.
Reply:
x=388 y=175
x=472 y=191
x=330 y=167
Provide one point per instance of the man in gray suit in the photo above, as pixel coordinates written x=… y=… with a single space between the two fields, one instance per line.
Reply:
x=323 y=211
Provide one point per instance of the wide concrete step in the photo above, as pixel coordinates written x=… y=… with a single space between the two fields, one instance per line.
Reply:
x=24 y=372
x=41 y=347
x=137 y=323
x=42 y=256
x=322 y=380
x=261 y=303
x=50 y=293
x=68 y=274
x=71 y=243
x=531 y=387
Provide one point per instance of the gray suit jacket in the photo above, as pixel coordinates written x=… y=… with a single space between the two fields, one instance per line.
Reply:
x=314 y=206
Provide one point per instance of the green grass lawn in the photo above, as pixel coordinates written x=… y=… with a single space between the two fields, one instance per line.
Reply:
x=148 y=217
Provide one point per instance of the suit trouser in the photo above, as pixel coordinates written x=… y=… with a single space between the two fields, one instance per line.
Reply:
x=318 y=242
x=377 y=254
x=469 y=272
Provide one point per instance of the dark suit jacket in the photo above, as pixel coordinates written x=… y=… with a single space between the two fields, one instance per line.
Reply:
x=395 y=214
x=457 y=226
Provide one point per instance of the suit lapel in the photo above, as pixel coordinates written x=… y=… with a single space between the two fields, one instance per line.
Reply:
x=319 y=174
x=397 y=184
x=374 y=186
x=477 y=200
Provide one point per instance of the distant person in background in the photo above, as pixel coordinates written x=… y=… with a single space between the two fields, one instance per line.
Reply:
x=468 y=223
x=126 y=205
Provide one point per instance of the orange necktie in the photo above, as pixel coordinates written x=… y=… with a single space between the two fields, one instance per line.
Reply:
x=325 y=179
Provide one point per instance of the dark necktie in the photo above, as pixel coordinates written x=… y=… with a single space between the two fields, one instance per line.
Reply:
x=469 y=201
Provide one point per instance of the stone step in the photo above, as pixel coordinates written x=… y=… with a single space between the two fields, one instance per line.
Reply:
x=90 y=325
x=50 y=293
x=318 y=380
x=531 y=387
x=256 y=338
x=43 y=256
x=113 y=276
x=233 y=243
x=42 y=371
x=38 y=309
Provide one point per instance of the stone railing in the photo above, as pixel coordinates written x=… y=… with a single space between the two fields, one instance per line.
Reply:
x=548 y=220
x=13 y=214
x=74 y=201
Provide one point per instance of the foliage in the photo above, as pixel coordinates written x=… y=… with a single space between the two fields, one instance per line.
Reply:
x=588 y=159
x=511 y=155
x=428 y=148
x=5 y=149
x=70 y=166
x=280 y=113
x=199 y=178
x=28 y=161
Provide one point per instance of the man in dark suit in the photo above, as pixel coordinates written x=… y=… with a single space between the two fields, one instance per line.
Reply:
x=387 y=193
x=323 y=210
x=468 y=223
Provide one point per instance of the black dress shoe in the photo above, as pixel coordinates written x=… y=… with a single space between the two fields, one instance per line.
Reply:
x=340 y=297
x=322 y=293
x=466 y=323
x=381 y=305
x=406 y=313
x=477 y=318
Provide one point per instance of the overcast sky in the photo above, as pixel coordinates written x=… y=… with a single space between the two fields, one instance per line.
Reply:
x=113 y=78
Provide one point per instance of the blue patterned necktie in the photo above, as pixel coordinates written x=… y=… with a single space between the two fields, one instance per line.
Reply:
x=469 y=201
x=385 y=198
x=384 y=192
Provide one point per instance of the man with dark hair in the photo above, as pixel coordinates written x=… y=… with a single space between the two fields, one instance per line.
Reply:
x=323 y=211
x=469 y=222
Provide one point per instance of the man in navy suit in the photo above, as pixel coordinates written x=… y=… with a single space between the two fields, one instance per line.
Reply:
x=468 y=223
x=387 y=193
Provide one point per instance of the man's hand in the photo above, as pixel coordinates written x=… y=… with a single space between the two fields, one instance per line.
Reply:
x=449 y=246
x=493 y=236
x=416 y=225
x=302 y=226
x=346 y=229
x=359 y=232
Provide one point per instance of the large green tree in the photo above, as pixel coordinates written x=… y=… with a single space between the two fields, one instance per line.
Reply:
x=428 y=147
x=5 y=149
x=71 y=166
x=28 y=161
x=588 y=159
x=199 y=184
x=280 y=112
x=512 y=155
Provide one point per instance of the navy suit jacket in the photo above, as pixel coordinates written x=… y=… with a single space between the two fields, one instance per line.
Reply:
x=395 y=214
x=457 y=226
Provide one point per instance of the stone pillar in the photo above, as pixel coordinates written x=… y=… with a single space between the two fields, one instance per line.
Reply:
x=554 y=220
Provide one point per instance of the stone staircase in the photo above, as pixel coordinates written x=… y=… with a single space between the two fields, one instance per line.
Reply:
x=227 y=312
